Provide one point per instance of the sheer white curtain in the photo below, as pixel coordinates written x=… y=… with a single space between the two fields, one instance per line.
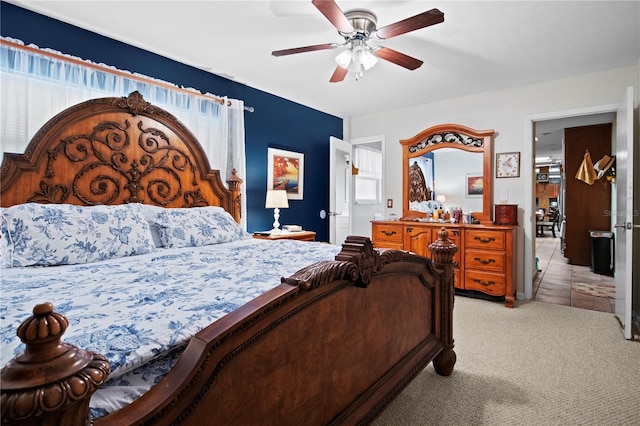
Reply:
x=37 y=84
x=368 y=181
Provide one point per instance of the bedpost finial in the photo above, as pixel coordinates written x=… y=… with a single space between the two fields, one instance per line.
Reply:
x=44 y=326
x=234 y=180
x=443 y=248
x=49 y=376
x=45 y=359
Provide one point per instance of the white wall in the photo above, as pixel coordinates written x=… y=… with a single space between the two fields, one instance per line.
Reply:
x=508 y=113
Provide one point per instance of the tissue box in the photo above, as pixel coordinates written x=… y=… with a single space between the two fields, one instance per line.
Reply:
x=292 y=228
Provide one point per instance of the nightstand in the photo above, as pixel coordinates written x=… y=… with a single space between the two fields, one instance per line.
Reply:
x=302 y=236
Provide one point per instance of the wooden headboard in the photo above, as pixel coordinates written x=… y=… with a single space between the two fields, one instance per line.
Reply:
x=115 y=151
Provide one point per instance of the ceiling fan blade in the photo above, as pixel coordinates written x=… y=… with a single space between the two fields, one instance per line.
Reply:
x=339 y=74
x=332 y=12
x=303 y=49
x=425 y=19
x=397 y=58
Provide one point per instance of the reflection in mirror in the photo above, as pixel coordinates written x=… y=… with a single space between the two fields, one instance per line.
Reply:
x=448 y=172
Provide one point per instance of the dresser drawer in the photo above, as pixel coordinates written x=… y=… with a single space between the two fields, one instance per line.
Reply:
x=486 y=282
x=388 y=245
x=484 y=260
x=484 y=239
x=390 y=233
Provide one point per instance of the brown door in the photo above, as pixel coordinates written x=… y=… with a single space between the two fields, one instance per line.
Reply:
x=587 y=207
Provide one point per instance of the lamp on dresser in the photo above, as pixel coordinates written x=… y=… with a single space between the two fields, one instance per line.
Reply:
x=276 y=200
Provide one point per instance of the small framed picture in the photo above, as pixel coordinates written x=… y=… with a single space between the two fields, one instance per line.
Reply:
x=285 y=170
x=475 y=184
x=507 y=164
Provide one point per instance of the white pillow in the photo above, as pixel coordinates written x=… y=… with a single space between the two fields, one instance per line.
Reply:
x=61 y=234
x=194 y=227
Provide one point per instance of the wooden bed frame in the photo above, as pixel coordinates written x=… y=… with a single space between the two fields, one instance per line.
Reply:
x=332 y=344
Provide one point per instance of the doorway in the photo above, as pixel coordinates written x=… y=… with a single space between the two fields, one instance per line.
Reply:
x=369 y=183
x=554 y=280
x=356 y=191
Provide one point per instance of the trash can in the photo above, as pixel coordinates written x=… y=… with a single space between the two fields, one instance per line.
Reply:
x=601 y=252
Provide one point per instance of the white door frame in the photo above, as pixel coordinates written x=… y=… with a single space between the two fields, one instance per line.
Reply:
x=337 y=144
x=624 y=226
x=527 y=164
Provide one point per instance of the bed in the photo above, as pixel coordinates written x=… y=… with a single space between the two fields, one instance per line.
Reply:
x=170 y=312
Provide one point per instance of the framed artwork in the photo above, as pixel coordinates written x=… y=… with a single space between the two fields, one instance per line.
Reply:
x=507 y=164
x=474 y=185
x=285 y=170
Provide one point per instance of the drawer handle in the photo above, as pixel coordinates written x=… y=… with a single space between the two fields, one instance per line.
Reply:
x=483 y=241
x=409 y=229
x=484 y=283
x=484 y=262
x=388 y=234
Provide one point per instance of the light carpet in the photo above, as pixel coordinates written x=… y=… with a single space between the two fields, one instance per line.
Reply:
x=537 y=364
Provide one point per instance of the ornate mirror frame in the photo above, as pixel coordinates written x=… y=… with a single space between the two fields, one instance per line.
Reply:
x=449 y=136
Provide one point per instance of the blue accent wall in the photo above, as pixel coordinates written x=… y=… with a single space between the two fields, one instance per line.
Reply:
x=276 y=122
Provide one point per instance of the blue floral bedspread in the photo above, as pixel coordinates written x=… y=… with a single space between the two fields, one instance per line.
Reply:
x=138 y=308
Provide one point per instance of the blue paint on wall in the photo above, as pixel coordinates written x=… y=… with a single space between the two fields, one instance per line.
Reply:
x=276 y=122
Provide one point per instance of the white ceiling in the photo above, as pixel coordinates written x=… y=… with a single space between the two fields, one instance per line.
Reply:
x=481 y=46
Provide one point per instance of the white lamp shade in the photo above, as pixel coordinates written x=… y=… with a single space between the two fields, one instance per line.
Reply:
x=357 y=59
x=344 y=58
x=441 y=198
x=369 y=60
x=276 y=199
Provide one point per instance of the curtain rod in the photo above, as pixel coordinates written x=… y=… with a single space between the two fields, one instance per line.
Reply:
x=117 y=72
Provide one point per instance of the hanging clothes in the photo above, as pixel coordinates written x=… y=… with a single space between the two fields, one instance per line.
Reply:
x=603 y=165
x=586 y=172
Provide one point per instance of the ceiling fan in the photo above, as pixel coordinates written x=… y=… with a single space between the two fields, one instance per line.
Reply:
x=358 y=27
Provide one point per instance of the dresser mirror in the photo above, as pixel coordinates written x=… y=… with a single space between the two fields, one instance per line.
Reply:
x=447 y=165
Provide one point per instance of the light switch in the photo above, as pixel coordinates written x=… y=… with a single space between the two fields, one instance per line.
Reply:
x=390 y=203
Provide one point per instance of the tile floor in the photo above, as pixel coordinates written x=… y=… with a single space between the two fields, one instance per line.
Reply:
x=551 y=283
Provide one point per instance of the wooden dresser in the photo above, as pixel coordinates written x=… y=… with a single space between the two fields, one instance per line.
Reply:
x=485 y=261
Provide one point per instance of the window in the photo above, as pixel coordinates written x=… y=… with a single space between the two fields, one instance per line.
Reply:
x=368 y=180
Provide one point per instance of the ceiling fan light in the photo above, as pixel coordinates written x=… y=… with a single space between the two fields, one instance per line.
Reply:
x=344 y=58
x=369 y=60
x=358 y=55
x=356 y=68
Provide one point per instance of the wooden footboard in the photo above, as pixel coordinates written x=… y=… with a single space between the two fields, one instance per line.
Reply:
x=333 y=344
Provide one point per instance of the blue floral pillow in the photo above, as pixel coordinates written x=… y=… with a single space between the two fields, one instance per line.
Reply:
x=194 y=227
x=62 y=234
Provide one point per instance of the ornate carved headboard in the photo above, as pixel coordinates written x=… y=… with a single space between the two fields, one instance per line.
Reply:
x=115 y=151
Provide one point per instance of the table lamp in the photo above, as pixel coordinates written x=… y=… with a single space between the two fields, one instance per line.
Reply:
x=276 y=199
